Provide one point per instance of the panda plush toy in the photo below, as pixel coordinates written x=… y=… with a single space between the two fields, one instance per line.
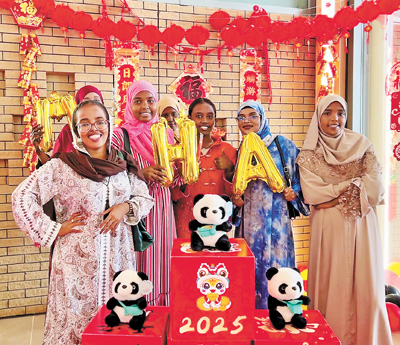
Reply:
x=209 y=228
x=128 y=304
x=285 y=288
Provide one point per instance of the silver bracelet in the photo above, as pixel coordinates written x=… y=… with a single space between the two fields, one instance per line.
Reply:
x=131 y=211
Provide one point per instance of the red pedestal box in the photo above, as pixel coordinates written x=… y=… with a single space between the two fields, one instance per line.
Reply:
x=212 y=295
x=154 y=333
x=316 y=332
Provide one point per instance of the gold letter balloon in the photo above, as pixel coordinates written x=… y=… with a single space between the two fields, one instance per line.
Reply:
x=264 y=169
x=185 y=151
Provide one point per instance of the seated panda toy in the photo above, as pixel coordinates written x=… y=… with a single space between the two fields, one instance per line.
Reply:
x=128 y=303
x=209 y=228
x=285 y=288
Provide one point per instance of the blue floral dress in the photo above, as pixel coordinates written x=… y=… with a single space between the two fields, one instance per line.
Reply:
x=266 y=225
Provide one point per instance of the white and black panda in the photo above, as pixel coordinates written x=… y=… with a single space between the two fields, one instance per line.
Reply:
x=127 y=304
x=285 y=288
x=209 y=228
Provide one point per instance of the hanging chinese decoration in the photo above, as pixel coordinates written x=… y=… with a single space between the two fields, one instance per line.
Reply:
x=126 y=70
x=250 y=75
x=327 y=70
x=392 y=89
x=396 y=151
x=190 y=85
x=26 y=14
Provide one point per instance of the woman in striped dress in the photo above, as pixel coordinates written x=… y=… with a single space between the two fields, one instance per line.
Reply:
x=140 y=114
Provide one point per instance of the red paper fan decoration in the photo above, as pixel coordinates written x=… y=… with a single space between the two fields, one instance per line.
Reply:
x=63 y=16
x=124 y=30
x=254 y=36
x=149 y=35
x=173 y=35
x=241 y=23
x=367 y=11
x=388 y=6
x=232 y=36
x=218 y=20
x=81 y=22
x=197 y=35
x=346 y=18
x=44 y=6
x=6 y=4
x=103 y=27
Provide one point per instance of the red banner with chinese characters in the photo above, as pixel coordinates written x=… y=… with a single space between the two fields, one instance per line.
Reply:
x=190 y=85
x=26 y=14
x=250 y=75
x=126 y=71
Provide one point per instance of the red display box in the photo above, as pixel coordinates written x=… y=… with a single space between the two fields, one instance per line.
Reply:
x=316 y=332
x=154 y=332
x=212 y=295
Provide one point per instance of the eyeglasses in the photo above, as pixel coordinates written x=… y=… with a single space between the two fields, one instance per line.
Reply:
x=86 y=127
x=242 y=118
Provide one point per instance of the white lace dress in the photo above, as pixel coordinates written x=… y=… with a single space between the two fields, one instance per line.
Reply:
x=83 y=264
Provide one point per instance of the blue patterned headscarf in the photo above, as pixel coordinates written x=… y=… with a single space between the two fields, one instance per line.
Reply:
x=263 y=131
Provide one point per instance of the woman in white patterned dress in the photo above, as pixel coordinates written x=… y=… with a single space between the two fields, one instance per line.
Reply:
x=97 y=197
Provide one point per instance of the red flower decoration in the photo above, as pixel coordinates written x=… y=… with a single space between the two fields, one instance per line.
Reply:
x=368 y=11
x=81 y=22
x=124 y=31
x=254 y=36
x=173 y=35
x=346 y=18
x=197 y=35
x=388 y=6
x=149 y=35
x=218 y=20
x=232 y=36
x=63 y=16
x=103 y=27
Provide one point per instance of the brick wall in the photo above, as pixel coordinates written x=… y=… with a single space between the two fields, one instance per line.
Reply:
x=65 y=67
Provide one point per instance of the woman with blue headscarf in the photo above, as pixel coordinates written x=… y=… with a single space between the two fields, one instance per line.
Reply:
x=266 y=225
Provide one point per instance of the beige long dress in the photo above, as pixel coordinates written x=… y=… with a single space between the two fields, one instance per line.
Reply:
x=345 y=265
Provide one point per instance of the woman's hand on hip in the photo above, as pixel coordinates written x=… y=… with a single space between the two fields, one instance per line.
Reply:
x=327 y=204
x=76 y=219
x=155 y=173
x=289 y=194
x=115 y=216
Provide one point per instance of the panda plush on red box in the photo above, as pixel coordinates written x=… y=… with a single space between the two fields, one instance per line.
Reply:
x=128 y=303
x=285 y=288
x=211 y=223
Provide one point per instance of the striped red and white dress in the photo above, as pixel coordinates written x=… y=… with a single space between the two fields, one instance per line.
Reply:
x=160 y=223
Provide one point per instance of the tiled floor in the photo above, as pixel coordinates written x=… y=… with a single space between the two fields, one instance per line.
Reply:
x=28 y=330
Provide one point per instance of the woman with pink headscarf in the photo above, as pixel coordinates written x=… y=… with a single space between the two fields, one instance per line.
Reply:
x=140 y=115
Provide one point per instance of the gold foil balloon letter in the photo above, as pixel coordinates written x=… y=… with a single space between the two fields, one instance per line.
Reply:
x=165 y=154
x=42 y=108
x=253 y=150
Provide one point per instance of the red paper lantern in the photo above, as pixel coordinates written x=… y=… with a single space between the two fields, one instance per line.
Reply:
x=63 y=16
x=301 y=27
x=81 y=22
x=232 y=36
x=254 y=36
x=324 y=28
x=260 y=18
x=124 y=31
x=6 y=4
x=173 y=35
x=388 y=6
x=103 y=27
x=149 y=35
x=241 y=23
x=218 y=20
x=44 y=6
x=197 y=35
x=346 y=18
x=368 y=11
x=278 y=32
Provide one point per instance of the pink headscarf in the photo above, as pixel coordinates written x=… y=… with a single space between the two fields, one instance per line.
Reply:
x=83 y=91
x=139 y=132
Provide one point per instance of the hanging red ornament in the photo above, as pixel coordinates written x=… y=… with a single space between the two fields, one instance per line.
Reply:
x=149 y=35
x=63 y=16
x=218 y=20
x=388 y=6
x=6 y=4
x=197 y=35
x=232 y=36
x=278 y=32
x=103 y=27
x=346 y=36
x=254 y=36
x=173 y=35
x=45 y=7
x=346 y=18
x=368 y=11
x=260 y=18
x=81 y=22
x=124 y=30
x=324 y=28
x=241 y=23
x=301 y=27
